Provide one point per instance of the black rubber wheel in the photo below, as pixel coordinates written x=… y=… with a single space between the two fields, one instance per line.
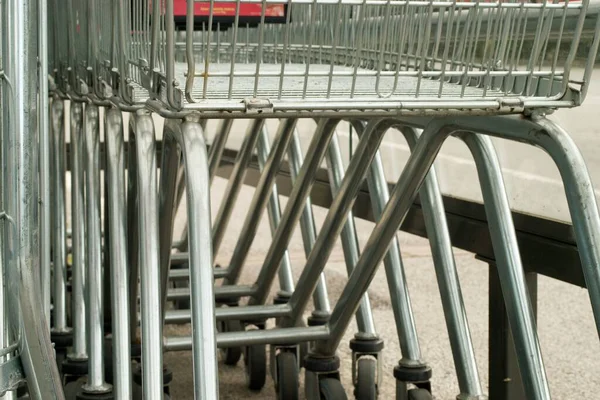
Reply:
x=287 y=376
x=231 y=355
x=255 y=361
x=419 y=394
x=72 y=388
x=366 y=383
x=332 y=389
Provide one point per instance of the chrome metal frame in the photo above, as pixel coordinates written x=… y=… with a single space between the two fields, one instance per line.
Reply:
x=187 y=138
x=121 y=335
x=96 y=382
x=143 y=156
x=79 y=351
x=58 y=155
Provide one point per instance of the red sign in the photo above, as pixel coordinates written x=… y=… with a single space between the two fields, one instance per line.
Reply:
x=228 y=9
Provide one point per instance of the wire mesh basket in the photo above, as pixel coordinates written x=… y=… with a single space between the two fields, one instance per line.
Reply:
x=58 y=39
x=255 y=55
x=134 y=47
x=79 y=54
x=103 y=25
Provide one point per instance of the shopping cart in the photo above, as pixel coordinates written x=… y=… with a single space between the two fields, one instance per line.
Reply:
x=26 y=348
x=338 y=60
x=422 y=69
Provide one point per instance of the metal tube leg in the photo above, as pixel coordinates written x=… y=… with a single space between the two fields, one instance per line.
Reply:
x=214 y=160
x=121 y=337
x=394 y=269
x=45 y=154
x=235 y=182
x=142 y=126
x=106 y=242
x=169 y=174
x=286 y=280
x=201 y=274
x=133 y=235
x=307 y=225
x=20 y=181
x=180 y=186
x=582 y=203
x=578 y=187
x=218 y=146
x=443 y=259
x=260 y=199
x=391 y=218
x=510 y=268
x=78 y=302
x=293 y=209
x=334 y=222
x=94 y=285
x=350 y=245
x=182 y=245
x=59 y=222
x=6 y=337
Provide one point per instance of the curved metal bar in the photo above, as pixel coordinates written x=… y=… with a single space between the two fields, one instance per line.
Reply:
x=78 y=300
x=189 y=136
x=260 y=198
x=263 y=149
x=181 y=180
x=59 y=230
x=96 y=382
x=392 y=216
x=400 y=299
x=336 y=217
x=510 y=268
x=445 y=268
x=293 y=209
x=119 y=280
x=20 y=182
x=44 y=160
x=141 y=126
x=349 y=238
x=171 y=175
x=183 y=244
x=307 y=223
x=133 y=235
x=581 y=199
x=579 y=190
x=235 y=182
x=217 y=147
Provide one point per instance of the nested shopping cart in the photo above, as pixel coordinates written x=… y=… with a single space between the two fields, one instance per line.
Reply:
x=425 y=70
x=438 y=66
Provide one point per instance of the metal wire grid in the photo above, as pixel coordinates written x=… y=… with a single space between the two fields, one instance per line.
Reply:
x=79 y=55
x=372 y=50
x=59 y=43
x=138 y=50
x=10 y=332
x=104 y=19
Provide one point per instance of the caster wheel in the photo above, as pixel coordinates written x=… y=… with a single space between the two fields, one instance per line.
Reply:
x=419 y=394
x=255 y=361
x=366 y=383
x=287 y=376
x=23 y=392
x=72 y=388
x=231 y=355
x=332 y=389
